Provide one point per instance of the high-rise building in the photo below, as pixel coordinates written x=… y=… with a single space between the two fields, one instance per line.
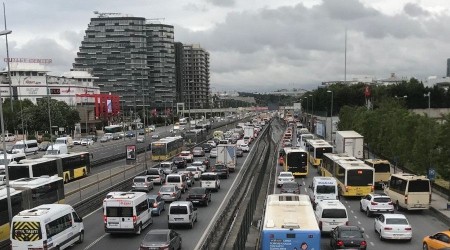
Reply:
x=196 y=77
x=448 y=67
x=179 y=70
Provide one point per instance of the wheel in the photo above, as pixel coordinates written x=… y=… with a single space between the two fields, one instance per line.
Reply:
x=191 y=225
x=81 y=237
x=196 y=218
x=397 y=206
x=381 y=237
x=361 y=208
x=206 y=202
x=164 y=207
x=139 y=230
x=368 y=213
x=159 y=212
x=425 y=246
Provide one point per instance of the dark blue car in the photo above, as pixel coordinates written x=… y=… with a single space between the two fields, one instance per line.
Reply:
x=158 y=205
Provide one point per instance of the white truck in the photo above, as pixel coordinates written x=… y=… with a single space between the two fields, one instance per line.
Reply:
x=57 y=149
x=351 y=143
x=226 y=154
x=249 y=133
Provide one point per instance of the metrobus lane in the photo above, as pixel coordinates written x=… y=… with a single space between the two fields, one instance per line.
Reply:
x=96 y=238
x=423 y=222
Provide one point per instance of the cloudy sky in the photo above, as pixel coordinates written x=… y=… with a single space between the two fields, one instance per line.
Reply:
x=258 y=45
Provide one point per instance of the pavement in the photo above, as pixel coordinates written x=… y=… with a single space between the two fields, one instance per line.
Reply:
x=439 y=207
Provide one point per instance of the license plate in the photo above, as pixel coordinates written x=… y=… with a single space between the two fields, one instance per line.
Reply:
x=417 y=205
x=195 y=201
x=333 y=223
x=178 y=219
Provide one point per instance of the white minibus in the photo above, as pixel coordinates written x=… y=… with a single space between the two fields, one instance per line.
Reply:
x=25 y=146
x=409 y=191
x=323 y=188
x=49 y=226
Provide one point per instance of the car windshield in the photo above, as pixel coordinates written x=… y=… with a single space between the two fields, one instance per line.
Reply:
x=198 y=149
x=285 y=175
x=191 y=169
x=19 y=146
x=396 y=221
x=197 y=191
x=165 y=165
x=290 y=185
x=167 y=189
x=178 y=159
x=139 y=180
x=156 y=237
x=208 y=177
x=178 y=210
x=325 y=189
x=350 y=234
x=151 y=200
x=196 y=163
x=382 y=199
x=334 y=213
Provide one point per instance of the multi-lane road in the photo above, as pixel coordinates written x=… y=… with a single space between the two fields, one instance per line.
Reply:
x=423 y=223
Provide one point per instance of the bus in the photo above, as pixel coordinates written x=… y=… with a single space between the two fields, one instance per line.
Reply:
x=27 y=193
x=296 y=161
x=68 y=166
x=353 y=176
x=113 y=129
x=316 y=148
x=218 y=134
x=289 y=223
x=330 y=160
x=302 y=138
x=382 y=171
x=195 y=136
x=166 y=148
x=409 y=191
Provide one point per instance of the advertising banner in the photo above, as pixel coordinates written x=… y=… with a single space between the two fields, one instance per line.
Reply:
x=131 y=152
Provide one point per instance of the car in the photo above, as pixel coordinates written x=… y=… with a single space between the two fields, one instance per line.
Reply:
x=130 y=134
x=92 y=137
x=221 y=170
x=212 y=143
x=140 y=139
x=157 y=175
x=170 y=193
x=77 y=141
x=190 y=180
x=393 y=226
x=284 y=177
x=347 y=237
x=87 y=142
x=198 y=151
x=204 y=160
x=161 y=239
x=109 y=136
x=213 y=153
x=116 y=136
x=142 y=183
x=157 y=203
x=207 y=147
x=239 y=152
x=168 y=167
x=151 y=128
x=179 y=162
x=187 y=155
x=200 y=165
x=290 y=187
x=199 y=195
x=104 y=139
x=375 y=204
x=439 y=240
x=43 y=145
x=195 y=171
x=155 y=136
x=245 y=147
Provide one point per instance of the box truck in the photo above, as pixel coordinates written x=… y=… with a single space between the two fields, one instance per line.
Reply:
x=226 y=154
x=351 y=143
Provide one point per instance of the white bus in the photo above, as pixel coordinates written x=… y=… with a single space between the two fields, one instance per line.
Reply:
x=409 y=191
x=289 y=223
x=127 y=212
x=49 y=226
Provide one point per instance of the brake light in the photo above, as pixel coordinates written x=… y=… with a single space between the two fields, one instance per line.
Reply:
x=406 y=199
x=173 y=194
x=159 y=193
x=390 y=203
x=346 y=223
x=388 y=228
x=105 y=219
x=204 y=196
x=155 y=205
x=363 y=243
x=340 y=243
x=134 y=219
x=408 y=229
x=373 y=203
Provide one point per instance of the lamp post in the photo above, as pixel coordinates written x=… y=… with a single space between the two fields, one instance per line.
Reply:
x=429 y=102
x=5 y=33
x=312 y=114
x=331 y=116
x=143 y=116
x=2 y=124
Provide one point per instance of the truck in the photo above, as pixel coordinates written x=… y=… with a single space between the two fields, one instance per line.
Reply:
x=248 y=133
x=350 y=142
x=226 y=154
x=57 y=149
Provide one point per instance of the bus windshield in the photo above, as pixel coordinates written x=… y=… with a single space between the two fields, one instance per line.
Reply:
x=297 y=161
x=419 y=186
x=382 y=168
x=321 y=151
x=359 y=177
x=159 y=149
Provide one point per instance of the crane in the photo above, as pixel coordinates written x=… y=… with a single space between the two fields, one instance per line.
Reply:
x=105 y=14
x=155 y=19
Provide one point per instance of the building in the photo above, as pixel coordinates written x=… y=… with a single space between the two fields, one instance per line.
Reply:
x=196 y=77
x=179 y=71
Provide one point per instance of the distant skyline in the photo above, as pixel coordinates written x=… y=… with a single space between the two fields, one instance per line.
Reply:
x=258 y=45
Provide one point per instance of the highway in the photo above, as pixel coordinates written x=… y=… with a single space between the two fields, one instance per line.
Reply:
x=423 y=223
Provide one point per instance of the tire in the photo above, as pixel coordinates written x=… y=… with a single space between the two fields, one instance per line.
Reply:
x=381 y=237
x=81 y=238
x=138 y=232
x=159 y=212
x=191 y=226
x=361 y=208
x=206 y=202
x=397 y=206
x=425 y=246
x=368 y=213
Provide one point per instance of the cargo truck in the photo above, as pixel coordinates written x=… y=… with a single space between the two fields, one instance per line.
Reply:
x=351 y=143
x=226 y=154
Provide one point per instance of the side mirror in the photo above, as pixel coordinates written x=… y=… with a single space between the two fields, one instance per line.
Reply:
x=362 y=231
x=195 y=209
x=79 y=219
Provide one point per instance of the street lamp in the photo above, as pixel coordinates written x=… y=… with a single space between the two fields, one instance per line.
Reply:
x=2 y=124
x=312 y=114
x=331 y=116
x=429 y=102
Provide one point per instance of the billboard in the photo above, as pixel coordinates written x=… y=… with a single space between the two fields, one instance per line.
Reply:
x=131 y=152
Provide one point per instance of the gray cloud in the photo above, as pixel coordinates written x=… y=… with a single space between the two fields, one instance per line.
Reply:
x=415 y=10
x=222 y=3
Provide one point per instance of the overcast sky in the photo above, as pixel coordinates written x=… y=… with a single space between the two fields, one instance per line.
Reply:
x=258 y=45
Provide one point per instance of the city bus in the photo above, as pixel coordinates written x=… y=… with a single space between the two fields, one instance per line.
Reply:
x=164 y=149
x=409 y=191
x=68 y=166
x=316 y=148
x=354 y=178
x=195 y=136
x=289 y=223
x=296 y=161
x=27 y=193
x=113 y=129
x=329 y=161
x=382 y=171
x=218 y=134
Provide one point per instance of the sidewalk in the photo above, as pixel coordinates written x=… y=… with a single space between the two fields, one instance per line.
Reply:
x=439 y=207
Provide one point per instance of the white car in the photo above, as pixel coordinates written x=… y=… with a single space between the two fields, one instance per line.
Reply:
x=212 y=143
x=200 y=165
x=77 y=141
x=187 y=155
x=86 y=142
x=155 y=136
x=284 y=177
x=376 y=203
x=196 y=171
x=245 y=147
x=140 y=138
x=213 y=153
x=393 y=226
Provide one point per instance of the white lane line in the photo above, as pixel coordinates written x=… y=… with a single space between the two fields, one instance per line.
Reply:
x=356 y=217
x=346 y=202
x=92 y=212
x=359 y=222
x=371 y=243
x=304 y=183
x=352 y=211
x=367 y=236
x=213 y=220
x=95 y=242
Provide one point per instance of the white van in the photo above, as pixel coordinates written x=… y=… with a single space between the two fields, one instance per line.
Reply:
x=330 y=214
x=323 y=188
x=127 y=212
x=67 y=140
x=182 y=213
x=57 y=149
x=49 y=226
x=27 y=147
x=177 y=179
x=2 y=179
x=210 y=180
x=8 y=137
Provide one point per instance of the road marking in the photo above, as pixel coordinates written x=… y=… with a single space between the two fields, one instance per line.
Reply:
x=304 y=184
x=359 y=222
x=351 y=211
x=367 y=236
x=95 y=242
x=346 y=202
x=356 y=217
x=93 y=212
x=213 y=220
x=371 y=243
